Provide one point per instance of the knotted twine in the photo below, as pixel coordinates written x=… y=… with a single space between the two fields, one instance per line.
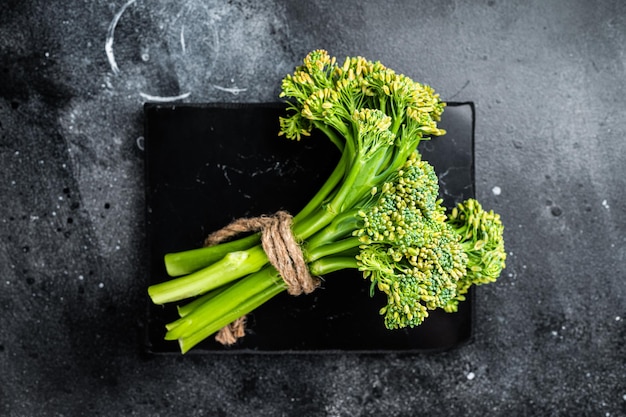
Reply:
x=283 y=252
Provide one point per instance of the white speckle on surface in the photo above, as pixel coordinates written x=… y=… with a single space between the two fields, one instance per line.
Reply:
x=471 y=375
x=496 y=190
x=605 y=204
x=163 y=99
x=80 y=277
x=182 y=39
x=101 y=285
x=232 y=90
x=618 y=318
x=145 y=54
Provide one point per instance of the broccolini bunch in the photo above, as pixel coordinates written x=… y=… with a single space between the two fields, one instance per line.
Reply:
x=379 y=211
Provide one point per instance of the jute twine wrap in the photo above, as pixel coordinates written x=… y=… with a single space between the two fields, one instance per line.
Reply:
x=283 y=252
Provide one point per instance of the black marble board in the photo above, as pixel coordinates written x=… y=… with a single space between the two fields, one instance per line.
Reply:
x=207 y=164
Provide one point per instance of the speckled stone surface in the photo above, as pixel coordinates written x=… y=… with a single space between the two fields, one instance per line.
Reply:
x=547 y=78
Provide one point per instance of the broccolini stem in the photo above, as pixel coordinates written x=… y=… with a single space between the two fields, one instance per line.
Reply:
x=184 y=310
x=358 y=181
x=248 y=299
x=326 y=213
x=383 y=104
x=333 y=248
x=342 y=226
x=397 y=119
x=222 y=303
x=231 y=267
x=186 y=262
x=333 y=263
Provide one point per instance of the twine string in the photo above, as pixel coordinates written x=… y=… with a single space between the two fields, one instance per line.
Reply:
x=283 y=252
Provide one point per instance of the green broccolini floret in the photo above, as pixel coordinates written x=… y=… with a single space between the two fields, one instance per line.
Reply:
x=378 y=212
x=482 y=239
x=409 y=251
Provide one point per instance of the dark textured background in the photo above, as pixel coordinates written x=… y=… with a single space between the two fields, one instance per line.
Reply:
x=547 y=78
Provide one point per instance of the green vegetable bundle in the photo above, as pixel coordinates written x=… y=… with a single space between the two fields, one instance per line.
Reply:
x=378 y=212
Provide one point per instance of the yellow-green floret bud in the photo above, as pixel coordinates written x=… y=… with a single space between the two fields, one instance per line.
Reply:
x=294 y=126
x=373 y=131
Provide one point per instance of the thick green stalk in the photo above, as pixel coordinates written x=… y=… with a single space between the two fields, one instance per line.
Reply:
x=332 y=248
x=186 y=262
x=243 y=308
x=406 y=144
x=231 y=267
x=326 y=213
x=342 y=226
x=366 y=178
x=185 y=309
x=223 y=303
x=332 y=264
